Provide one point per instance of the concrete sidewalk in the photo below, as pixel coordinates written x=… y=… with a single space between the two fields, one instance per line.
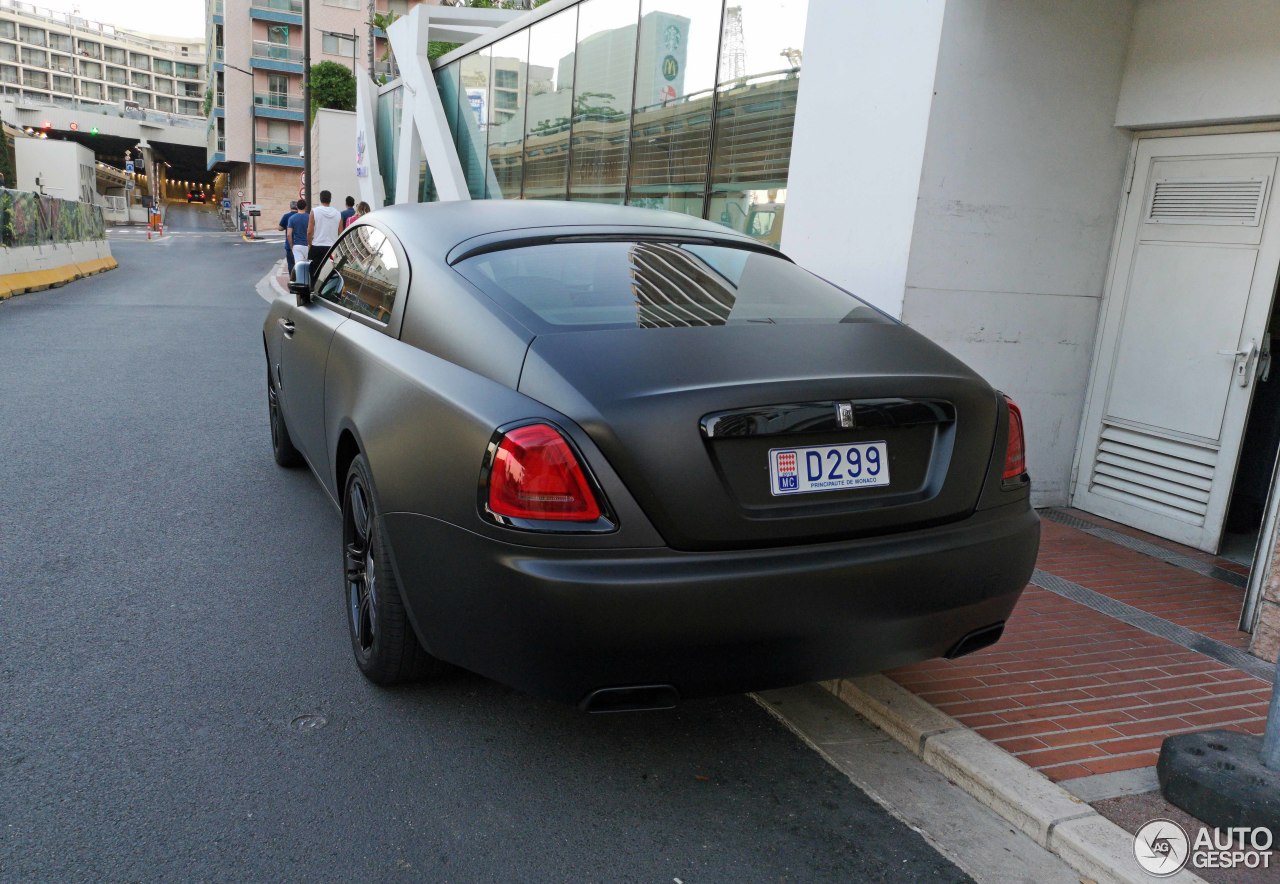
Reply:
x=1121 y=640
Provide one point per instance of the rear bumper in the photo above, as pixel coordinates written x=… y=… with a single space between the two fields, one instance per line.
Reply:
x=563 y=623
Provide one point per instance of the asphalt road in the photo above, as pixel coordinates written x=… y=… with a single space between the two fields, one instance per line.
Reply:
x=177 y=695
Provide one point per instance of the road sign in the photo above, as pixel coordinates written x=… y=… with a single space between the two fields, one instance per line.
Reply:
x=128 y=185
x=240 y=194
x=302 y=193
x=128 y=166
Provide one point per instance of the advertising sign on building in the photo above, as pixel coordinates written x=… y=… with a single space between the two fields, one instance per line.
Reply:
x=669 y=54
x=476 y=98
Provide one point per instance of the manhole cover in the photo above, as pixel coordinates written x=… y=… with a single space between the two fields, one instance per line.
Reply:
x=306 y=723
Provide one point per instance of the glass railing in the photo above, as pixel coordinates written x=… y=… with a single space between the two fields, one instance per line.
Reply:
x=279 y=148
x=217 y=53
x=221 y=98
x=276 y=52
x=217 y=7
x=222 y=145
x=293 y=7
x=278 y=101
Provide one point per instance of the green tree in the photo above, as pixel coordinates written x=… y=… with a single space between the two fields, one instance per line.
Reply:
x=332 y=86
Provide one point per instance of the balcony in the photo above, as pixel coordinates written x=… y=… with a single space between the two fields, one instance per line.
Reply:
x=285 y=7
x=276 y=56
x=283 y=153
x=277 y=105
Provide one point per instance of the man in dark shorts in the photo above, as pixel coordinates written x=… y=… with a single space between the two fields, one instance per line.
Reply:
x=284 y=225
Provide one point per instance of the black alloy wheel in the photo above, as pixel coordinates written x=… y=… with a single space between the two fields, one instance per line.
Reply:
x=382 y=639
x=281 y=445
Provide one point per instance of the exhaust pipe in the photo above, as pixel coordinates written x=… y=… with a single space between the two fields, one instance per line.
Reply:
x=636 y=698
x=976 y=640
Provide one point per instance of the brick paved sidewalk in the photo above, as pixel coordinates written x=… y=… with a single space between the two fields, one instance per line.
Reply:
x=1075 y=692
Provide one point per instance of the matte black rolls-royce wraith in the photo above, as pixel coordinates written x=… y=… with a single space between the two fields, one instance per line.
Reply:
x=619 y=456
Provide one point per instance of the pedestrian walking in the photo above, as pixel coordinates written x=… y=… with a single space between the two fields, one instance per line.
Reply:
x=284 y=225
x=322 y=228
x=296 y=234
x=361 y=210
x=348 y=212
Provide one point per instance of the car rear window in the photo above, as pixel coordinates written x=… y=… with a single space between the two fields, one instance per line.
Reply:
x=655 y=284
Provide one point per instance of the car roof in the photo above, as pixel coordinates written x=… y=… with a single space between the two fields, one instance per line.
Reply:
x=437 y=229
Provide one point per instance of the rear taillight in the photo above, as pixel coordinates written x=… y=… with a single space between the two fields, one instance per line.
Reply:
x=1015 y=451
x=535 y=475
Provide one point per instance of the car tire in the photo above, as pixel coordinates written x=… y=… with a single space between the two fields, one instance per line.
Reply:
x=382 y=638
x=281 y=445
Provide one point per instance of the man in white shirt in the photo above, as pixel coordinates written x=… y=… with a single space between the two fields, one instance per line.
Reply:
x=322 y=229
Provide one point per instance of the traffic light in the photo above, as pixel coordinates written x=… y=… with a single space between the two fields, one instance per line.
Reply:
x=93 y=131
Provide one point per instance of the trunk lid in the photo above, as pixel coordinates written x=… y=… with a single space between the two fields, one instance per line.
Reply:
x=688 y=418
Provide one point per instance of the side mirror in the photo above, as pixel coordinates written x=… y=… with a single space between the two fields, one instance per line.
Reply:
x=300 y=283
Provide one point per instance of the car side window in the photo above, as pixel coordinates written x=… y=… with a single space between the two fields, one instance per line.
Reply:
x=341 y=274
x=382 y=275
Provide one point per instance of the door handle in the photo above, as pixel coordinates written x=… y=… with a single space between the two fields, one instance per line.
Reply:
x=288 y=326
x=1244 y=362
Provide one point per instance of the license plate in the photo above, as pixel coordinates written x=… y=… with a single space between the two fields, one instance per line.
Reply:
x=828 y=468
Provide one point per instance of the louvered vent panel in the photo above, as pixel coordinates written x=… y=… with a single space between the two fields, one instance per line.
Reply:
x=1219 y=201
x=1161 y=475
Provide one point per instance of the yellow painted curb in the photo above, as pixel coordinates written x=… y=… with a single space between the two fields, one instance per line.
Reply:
x=39 y=280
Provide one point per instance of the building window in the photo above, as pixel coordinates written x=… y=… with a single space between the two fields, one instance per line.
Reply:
x=63 y=85
x=755 y=115
x=343 y=4
x=35 y=57
x=164 y=66
x=8 y=73
x=115 y=55
x=671 y=115
x=139 y=61
x=190 y=71
x=89 y=49
x=116 y=93
x=91 y=90
x=60 y=42
x=164 y=86
x=549 y=106
x=8 y=52
x=338 y=44
x=7 y=30
x=506 y=131
x=31 y=36
x=164 y=103
x=606 y=67
x=277 y=91
x=36 y=79
x=140 y=79
x=191 y=108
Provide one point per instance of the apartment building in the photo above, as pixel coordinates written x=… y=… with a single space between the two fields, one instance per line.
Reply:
x=255 y=67
x=52 y=56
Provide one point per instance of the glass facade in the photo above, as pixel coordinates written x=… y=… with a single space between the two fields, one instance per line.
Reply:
x=686 y=105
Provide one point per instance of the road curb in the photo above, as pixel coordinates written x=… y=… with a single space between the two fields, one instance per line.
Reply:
x=1054 y=818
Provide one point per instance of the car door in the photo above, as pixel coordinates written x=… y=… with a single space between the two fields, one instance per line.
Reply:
x=304 y=351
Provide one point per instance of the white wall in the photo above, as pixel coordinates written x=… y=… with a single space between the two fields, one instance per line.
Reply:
x=1202 y=61
x=861 y=118
x=333 y=158
x=56 y=163
x=1017 y=205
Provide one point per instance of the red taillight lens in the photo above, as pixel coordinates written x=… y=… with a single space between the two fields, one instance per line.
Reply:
x=1015 y=451
x=535 y=475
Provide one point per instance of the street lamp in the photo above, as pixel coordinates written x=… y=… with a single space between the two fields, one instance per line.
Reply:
x=253 y=142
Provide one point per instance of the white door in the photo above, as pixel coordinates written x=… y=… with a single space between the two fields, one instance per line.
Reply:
x=1185 y=313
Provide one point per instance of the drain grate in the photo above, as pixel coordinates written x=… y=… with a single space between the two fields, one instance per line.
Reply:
x=1205 y=569
x=1158 y=626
